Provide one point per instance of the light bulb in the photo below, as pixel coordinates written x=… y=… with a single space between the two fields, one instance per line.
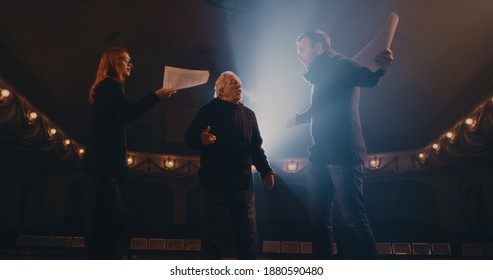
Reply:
x=169 y=163
x=374 y=163
x=292 y=166
x=130 y=160
x=32 y=116
x=5 y=93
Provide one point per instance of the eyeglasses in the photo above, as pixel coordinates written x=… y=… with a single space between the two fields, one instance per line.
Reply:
x=127 y=60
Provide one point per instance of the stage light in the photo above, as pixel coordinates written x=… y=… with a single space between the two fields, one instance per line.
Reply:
x=450 y=135
x=52 y=132
x=80 y=152
x=374 y=163
x=5 y=93
x=66 y=142
x=31 y=116
x=423 y=156
x=472 y=123
x=130 y=160
x=169 y=163
x=435 y=146
x=292 y=166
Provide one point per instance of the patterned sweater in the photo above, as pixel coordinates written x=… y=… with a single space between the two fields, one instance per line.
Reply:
x=238 y=144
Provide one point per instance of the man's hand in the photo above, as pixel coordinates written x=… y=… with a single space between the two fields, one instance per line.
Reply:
x=269 y=181
x=385 y=59
x=165 y=92
x=207 y=138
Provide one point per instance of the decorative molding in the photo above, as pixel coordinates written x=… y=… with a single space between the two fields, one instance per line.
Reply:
x=32 y=128
x=21 y=81
x=156 y=164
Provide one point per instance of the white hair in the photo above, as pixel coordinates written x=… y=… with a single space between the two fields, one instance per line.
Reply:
x=221 y=84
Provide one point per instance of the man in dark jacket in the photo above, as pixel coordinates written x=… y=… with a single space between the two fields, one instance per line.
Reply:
x=335 y=171
x=228 y=136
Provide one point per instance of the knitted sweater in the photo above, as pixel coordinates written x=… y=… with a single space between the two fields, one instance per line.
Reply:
x=228 y=161
x=334 y=111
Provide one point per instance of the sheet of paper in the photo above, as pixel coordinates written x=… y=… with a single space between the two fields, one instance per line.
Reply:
x=179 y=78
x=381 y=41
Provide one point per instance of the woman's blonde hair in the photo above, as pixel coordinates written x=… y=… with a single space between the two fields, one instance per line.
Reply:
x=108 y=67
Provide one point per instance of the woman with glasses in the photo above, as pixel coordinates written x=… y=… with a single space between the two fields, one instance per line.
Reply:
x=105 y=160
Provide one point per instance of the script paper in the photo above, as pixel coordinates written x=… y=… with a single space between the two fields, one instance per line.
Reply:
x=178 y=78
x=379 y=43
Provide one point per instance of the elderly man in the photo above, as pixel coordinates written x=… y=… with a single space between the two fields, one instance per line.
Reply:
x=228 y=136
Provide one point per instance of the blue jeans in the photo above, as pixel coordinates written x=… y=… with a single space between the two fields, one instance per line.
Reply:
x=341 y=185
x=241 y=205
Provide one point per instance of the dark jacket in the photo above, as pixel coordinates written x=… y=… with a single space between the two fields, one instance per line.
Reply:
x=107 y=148
x=238 y=144
x=334 y=111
